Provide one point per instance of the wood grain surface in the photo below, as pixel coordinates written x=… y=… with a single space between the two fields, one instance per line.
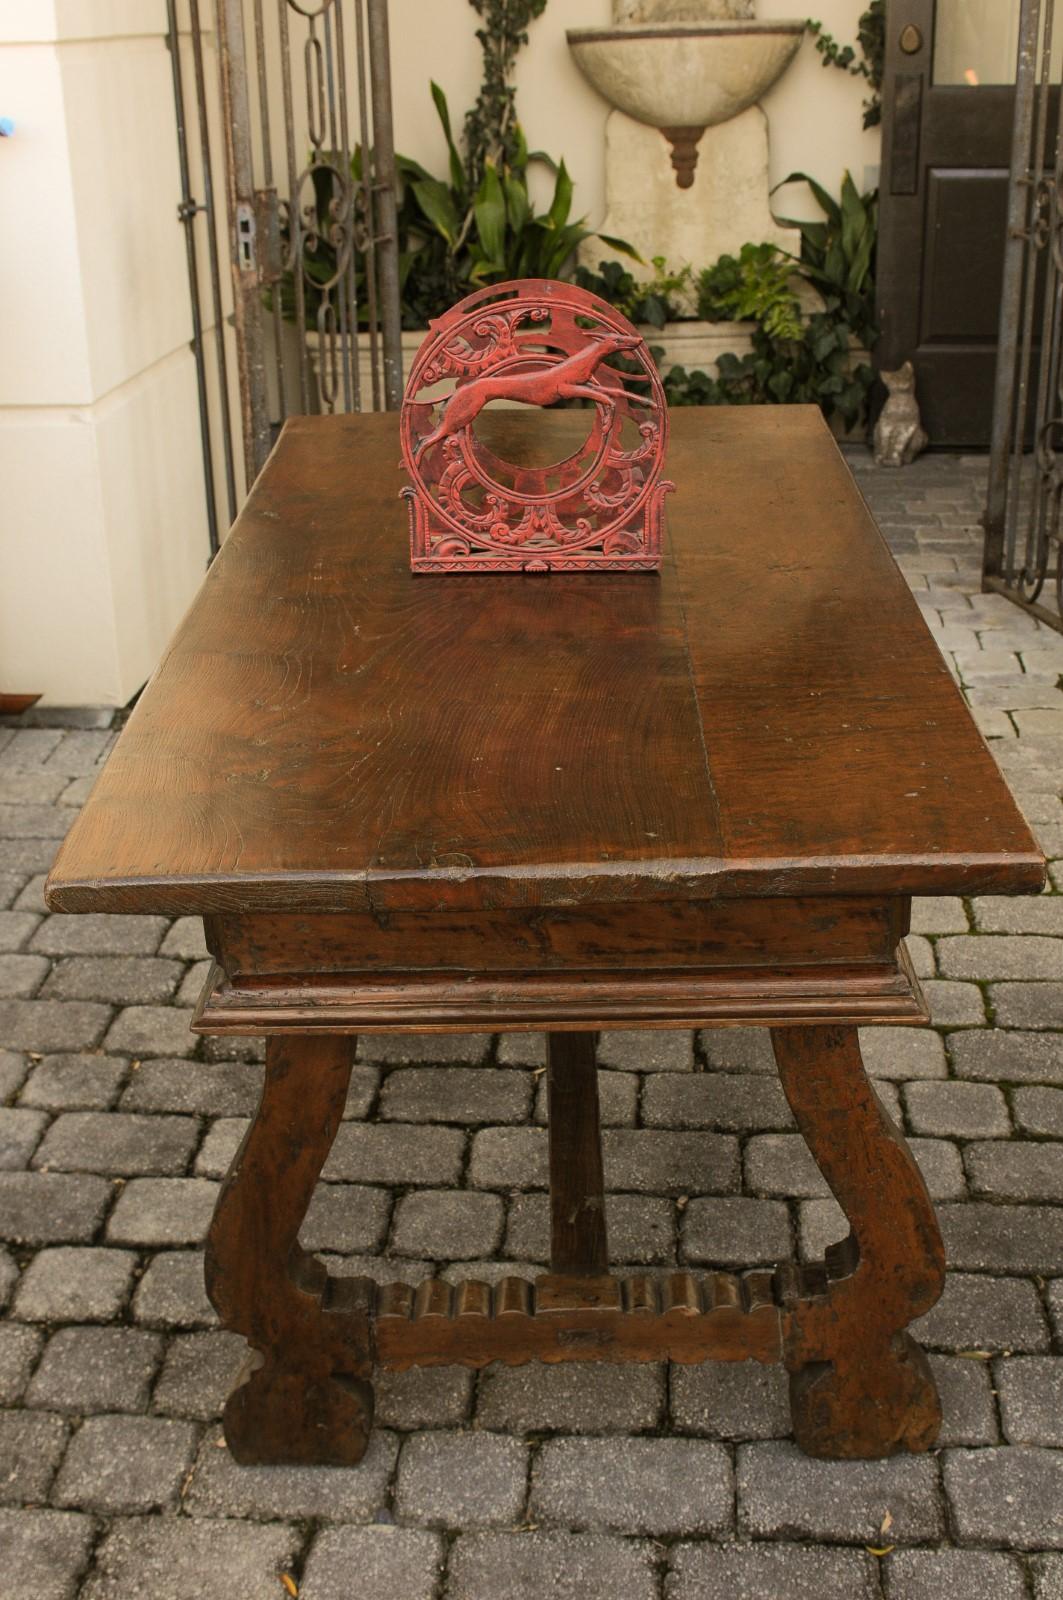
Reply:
x=769 y=716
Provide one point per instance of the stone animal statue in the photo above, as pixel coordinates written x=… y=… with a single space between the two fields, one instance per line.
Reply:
x=899 y=433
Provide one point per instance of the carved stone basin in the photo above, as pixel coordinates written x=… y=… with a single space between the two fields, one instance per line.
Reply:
x=685 y=77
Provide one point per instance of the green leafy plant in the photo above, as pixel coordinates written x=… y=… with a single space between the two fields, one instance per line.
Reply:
x=838 y=253
x=792 y=361
x=643 y=300
x=754 y=286
x=871 y=41
x=494 y=232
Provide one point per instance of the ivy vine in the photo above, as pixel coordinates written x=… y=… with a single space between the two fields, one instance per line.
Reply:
x=491 y=132
x=871 y=41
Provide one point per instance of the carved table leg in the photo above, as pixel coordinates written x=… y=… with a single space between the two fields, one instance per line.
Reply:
x=304 y=1397
x=577 y=1200
x=859 y=1385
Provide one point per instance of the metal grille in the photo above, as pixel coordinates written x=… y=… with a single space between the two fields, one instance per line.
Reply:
x=303 y=95
x=1022 y=556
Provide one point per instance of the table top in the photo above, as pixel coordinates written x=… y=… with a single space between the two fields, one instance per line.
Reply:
x=767 y=716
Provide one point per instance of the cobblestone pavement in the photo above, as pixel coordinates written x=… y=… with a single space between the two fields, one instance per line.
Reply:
x=556 y=1482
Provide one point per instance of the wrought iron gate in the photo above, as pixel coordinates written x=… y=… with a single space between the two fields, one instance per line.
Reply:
x=302 y=91
x=1023 y=555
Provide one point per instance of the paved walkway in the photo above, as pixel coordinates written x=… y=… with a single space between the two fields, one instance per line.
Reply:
x=578 y=1483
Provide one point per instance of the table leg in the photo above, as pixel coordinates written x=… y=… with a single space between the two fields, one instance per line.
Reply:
x=303 y=1397
x=859 y=1385
x=577 y=1199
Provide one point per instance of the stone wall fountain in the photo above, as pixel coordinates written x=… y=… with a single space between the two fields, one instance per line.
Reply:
x=687 y=143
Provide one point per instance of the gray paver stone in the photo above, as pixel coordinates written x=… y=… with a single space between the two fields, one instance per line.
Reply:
x=198 y=1373
x=152 y=1031
x=160 y=1211
x=346 y=1217
x=395 y=1153
x=8 y=1275
x=13 y=1069
x=99 y=933
x=462 y=1480
x=737 y=1049
x=68 y=1284
x=1006 y=1496
x=456 y=1094
x=509 y=1158
x=1021 y=914
x=954 y=1005
x=779 y=1571
x=735 y=1232
x=115 y=1142
x=167 y=1558
x=51 y=1207
x=30 y=1447
x=784 y=1494
x=118 y=1463
x=970 y=1416
x=15 y=930
x=423 y=1397
x=1018 y=1170
x=953 y=1575
x=1031 y=1399
x=957 y=1110
x=550 y=1566
x=903 y=1052
x=938 y=914
x=1027 y=1005
x=185 y=940
x=981 y=1313
x=75 y=1083
x=220 y=1144
x=96 y=1369
x=19 y=1348
x=21 y=976
x=20 y=1133
x=576 y=1397
x=447 y=1224
x=984 y=956
x=399 y=1048
x=219 y=1487
x=43 y=1026
x=731 y=1400
x=732 y=1102
x=647 y=1049
x=44 y=1552
x=651 y=1160
x=205 y=1088
x=993 y=1055
x=982 y=1237
x=171 y=1294
x=1048 y=1577
x=391 y=1563
x=656 y=1486
x=1038 y=1110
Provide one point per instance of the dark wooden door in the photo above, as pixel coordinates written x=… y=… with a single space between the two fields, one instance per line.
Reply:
x=948 y=99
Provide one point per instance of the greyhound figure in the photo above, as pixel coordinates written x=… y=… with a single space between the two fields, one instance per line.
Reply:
x=566 y=380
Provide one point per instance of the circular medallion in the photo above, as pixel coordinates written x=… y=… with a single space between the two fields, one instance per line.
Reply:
x=495 y=489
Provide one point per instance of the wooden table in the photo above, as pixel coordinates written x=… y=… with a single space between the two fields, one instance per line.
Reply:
x=566 y=803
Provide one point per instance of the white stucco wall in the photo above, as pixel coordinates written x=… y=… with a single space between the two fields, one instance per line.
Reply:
x=814 y=113
x=103 y=535
x=102 y=527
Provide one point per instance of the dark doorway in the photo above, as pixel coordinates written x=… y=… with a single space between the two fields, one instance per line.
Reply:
x=948 y=110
